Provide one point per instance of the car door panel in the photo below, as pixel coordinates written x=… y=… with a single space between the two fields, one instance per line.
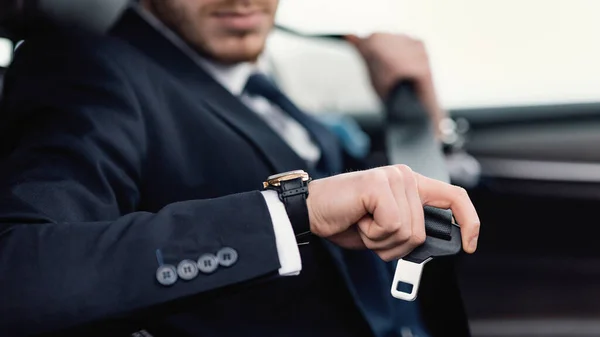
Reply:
x=538 y=201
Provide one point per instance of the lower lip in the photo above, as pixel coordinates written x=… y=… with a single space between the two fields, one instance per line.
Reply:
x=240 y=22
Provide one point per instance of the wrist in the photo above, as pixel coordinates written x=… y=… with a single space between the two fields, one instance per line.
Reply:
x=311 y=207
x=293 y=190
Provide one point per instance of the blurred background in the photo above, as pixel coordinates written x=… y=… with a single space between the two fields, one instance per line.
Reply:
x=483 y=53
x=524 y=75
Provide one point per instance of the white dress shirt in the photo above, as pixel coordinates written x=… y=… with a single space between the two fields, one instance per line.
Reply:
x=234 y=79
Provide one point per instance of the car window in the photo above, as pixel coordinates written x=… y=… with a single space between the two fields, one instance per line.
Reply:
x=483 y=53
x=492 y=53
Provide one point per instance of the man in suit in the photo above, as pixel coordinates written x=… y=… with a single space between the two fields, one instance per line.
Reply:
x=131 y=175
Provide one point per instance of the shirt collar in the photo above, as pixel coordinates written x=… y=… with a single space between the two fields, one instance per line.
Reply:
x=231 y=77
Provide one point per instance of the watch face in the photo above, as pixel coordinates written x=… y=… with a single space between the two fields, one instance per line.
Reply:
x=289 y=173
x=276 y=179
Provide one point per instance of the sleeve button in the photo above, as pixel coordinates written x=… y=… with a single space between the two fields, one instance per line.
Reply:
x=208 y=263
x=187 y=269
x=166 y=275
x=227 y=257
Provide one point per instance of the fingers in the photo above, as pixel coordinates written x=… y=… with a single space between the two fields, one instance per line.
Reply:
x=353 y=39
x=386 y=216
x=392 y=240
x=349 y=239
x=394 y=247
x=414 y=203
x=439 y=194
x=386 y=204
x=393 y=234
x=362 y=46
x=400 y=231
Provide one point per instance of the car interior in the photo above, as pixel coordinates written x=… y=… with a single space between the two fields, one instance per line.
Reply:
x=532 y=275
x=532 y=167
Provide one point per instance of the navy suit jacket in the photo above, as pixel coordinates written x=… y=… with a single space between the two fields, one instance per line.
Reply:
x=113 y=147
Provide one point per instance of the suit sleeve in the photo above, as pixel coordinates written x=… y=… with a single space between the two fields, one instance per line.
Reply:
x=73 y=248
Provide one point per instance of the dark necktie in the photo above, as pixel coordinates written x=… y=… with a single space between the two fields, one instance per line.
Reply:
x=331 y=156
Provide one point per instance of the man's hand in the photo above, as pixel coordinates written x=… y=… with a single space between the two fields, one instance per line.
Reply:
x=382 y=209
x=391 y=58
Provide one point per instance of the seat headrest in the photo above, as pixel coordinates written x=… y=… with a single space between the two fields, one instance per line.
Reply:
x=19 y=18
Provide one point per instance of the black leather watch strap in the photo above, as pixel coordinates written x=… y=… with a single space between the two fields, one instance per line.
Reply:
x=293 y=193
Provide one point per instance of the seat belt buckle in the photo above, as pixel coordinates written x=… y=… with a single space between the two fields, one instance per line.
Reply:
x=443 y=239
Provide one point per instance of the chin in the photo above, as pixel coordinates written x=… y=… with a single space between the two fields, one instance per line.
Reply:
x=230 y=52
x=232 y=57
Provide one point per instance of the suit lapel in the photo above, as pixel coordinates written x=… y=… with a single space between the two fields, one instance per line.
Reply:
x=213 y=98
x=210 y=94
x=249 y=124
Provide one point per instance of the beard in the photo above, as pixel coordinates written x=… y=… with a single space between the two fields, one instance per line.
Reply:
x=196 y=25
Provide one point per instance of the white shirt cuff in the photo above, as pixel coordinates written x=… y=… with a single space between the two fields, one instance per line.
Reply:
x=287 y=246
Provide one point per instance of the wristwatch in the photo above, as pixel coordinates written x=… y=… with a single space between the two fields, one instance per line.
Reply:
x=292 y=188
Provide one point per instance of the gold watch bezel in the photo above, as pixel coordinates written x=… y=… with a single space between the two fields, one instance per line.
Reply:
x=276 y=179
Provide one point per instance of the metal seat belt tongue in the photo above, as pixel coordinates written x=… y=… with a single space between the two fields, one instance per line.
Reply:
x=443 y=239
